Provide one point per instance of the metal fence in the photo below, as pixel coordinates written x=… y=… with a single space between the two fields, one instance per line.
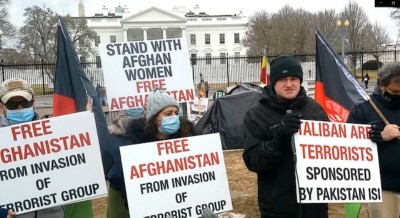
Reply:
x=219 y=72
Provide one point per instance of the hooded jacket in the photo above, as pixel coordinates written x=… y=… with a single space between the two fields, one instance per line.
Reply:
x=388 y=152
x=271 y=159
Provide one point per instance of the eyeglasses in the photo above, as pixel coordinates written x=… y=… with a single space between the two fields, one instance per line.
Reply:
x=12 y=105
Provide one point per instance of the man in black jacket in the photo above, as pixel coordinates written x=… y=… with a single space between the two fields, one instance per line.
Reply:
x=269 y=127
x=386 y=96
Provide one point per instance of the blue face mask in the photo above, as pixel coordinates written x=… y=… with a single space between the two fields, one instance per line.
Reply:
x=20 y=115
x=169 y=125
x=135 y=112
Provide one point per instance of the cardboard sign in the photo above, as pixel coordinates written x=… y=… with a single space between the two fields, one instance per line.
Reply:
x=336 y=162
x=134 y=69
x=50 y=162
x=186 y=175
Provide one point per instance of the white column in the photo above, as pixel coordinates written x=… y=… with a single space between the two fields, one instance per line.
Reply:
x=144 y=33
x=125 y=35
x=164 y=32
x=183 y=32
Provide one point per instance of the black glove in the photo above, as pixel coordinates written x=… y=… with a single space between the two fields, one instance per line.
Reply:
x=375 y=132
x=290 y=124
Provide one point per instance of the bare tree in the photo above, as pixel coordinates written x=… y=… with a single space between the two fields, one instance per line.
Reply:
x=5 y=26
x=283 y=30
x=304 y=27
x=11 y=55
x=39 y=35
x=286 y=32
x=81 y=35
x=289 y=31
x=376 y=39
x=357 y=30
x=258 y=34
x=326 y=23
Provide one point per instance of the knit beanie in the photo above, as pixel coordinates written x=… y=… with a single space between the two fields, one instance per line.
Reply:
x=284 y=66
x=157 y=101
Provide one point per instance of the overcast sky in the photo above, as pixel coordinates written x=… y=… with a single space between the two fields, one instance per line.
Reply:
x=209 y=6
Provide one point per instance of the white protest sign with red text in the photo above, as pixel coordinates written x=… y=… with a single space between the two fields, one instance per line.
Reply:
x=336 y=162
x=134 y=69
x=177 y=177
x=50 y=162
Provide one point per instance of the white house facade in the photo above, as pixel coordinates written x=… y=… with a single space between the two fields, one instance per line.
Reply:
x=207 y=35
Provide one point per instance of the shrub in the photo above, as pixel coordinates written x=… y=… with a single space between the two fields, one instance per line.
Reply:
x=372 y=65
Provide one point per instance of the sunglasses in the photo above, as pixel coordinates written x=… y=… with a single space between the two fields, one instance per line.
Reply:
x=12 y=105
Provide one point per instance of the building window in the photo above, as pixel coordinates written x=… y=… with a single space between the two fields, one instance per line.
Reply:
x=237 y=57
x=208 y=58
x=98 y=62
x=207 y=39
x=193 y=58
x=221 y=38
x=113 y=39
x=222 y=57
x=97 y=41
x=82 y=59
x=192 y=39
x=237 y=39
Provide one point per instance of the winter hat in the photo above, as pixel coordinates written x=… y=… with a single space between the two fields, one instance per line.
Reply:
x=284 y=66
x=157 y=101
x=15 y=87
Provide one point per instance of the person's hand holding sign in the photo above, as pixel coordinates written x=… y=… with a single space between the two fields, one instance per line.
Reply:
x=390 y=132
x=11 y=214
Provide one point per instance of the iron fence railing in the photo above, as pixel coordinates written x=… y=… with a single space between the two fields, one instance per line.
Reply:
x=219 y=72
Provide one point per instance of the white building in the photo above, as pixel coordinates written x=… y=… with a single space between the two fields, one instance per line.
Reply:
x=207 y=35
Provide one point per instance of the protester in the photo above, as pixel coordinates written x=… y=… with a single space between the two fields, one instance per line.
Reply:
x=101 y=92
x=268 y=128
x=386 y=96
x=202 y=89
x=17 y=103
x=207 y=88
x=160 y=122
x=366 y=80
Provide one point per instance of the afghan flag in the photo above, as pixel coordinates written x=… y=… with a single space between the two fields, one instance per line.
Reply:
x=337 y=91
x=73 y=92
x=264 y=78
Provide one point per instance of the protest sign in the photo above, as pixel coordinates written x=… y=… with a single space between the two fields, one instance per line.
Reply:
x=336 y=162
x=50 y=162
x=197 y=108
x=186 y=175
x=134 y=69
